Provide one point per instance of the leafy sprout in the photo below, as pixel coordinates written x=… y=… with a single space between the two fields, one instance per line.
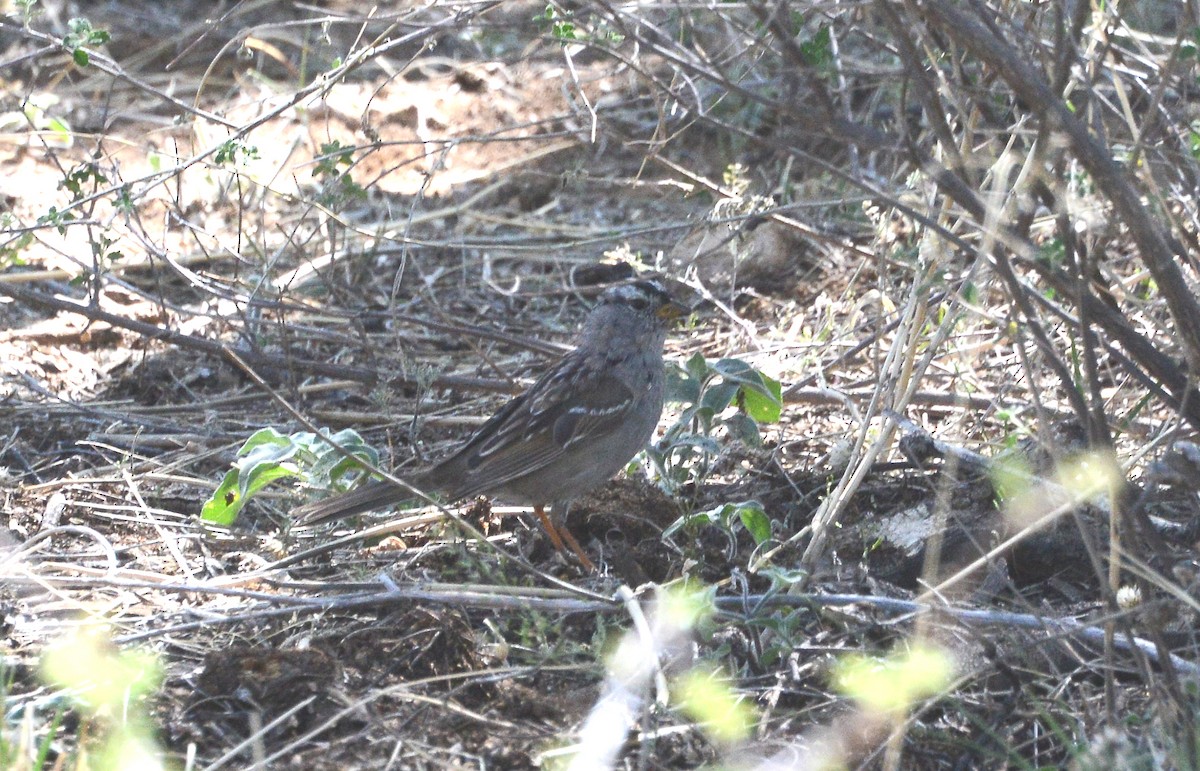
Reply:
x=727 y=395
x=269 y=456
x=81 y=33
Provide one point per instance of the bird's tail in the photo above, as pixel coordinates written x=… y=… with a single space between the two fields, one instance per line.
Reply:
x=369 y=497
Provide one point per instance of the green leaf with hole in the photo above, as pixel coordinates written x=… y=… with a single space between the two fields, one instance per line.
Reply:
x=268 y=456
x=240 y=483
x=223 y=506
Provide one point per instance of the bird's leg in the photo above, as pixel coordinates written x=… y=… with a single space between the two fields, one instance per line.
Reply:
x=569 y=539
x=562 y=539
x=550 y=529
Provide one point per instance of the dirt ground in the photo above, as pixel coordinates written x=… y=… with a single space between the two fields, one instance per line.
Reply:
x=398 y=253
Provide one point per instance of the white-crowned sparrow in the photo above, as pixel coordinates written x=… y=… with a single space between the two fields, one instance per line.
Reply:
x=575 y=428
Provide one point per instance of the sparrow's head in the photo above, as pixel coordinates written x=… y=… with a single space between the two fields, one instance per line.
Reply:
x=649 y=297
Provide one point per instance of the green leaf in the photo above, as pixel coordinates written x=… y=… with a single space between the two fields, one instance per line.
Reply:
x=697 y=368
x=765 y=405
x=60 y=129
x=81 y=33
x=817 y=51
x=263 y=474
x=718 y=397
x=696 y=443
x=704 y=416
x=263 y=436
x=223 y=507
x=681 y=387
x=707 y=391
x=259 y=465
x=755 y=520
x=783 y=578
x=267 y=445
x=344 y=469
x=692 y=521
x=677 y=525
x=331 y=469
x=749 y=513
x=761 y=396
x=732 y=369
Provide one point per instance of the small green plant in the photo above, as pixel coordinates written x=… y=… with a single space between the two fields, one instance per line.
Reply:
x=124 y=200
x=561 y=27
x=726 y=396
x=229 y=151
x=817 y=51
x=333 y=154
x=57 y=219
x=777 y=632
x=10 y=251
x=727 y=517
x=81 y=33
x=77 y=178
x=1052 y=253
x=338 y=186
x=268 y=456
x=103 y=252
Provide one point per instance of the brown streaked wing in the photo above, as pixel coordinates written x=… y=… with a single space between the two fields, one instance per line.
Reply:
x=520 y=440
